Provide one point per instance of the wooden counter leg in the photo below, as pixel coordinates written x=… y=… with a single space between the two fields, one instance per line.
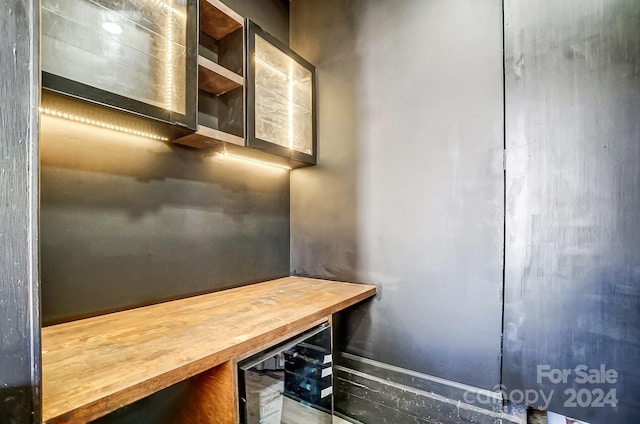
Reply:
x=214 y=399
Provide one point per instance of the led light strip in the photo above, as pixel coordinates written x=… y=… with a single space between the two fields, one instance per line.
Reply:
x=274 y=165
x=290 y=83
x=101 y=124
x=167 y=7
x=169 y=59
x=271 y=68
x=290 y=87
x=278 y=72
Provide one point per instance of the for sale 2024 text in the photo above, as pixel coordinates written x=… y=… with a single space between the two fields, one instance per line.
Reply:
x=600 y=396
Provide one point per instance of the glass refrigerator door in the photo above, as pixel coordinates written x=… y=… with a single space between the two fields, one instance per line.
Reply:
x=136 y=55
x=291 y=383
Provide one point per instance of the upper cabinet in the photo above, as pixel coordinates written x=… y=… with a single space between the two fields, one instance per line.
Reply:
x=133 y=55
x=255 y=95
x=220 y=88
x=281 y=117
x=208 y=77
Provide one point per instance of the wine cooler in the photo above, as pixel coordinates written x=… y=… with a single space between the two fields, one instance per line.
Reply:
x=290 y=383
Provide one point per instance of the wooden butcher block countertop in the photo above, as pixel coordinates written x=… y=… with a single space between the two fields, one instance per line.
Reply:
x=93 y=366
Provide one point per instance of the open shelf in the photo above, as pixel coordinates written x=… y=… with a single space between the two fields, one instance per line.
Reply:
x=207 y=137
x=220 y=116
x=223 y=92
x=216 y=79
x=217 y=19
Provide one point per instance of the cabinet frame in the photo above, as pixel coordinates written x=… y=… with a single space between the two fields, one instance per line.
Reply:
x=252 y=29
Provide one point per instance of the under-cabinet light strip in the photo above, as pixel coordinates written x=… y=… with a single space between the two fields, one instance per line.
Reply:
x=101 y=124
x=260 y=162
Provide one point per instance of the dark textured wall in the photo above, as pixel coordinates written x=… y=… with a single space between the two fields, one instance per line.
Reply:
x=19 y=297
x=408 y=193
x=573 y=195
x=127 y=221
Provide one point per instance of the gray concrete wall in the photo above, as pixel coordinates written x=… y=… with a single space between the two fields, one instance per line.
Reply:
x=408 y=193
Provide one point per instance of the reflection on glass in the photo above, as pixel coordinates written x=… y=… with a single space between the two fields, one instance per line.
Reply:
x=291 y=384
x=283 y=99
x=133 y=48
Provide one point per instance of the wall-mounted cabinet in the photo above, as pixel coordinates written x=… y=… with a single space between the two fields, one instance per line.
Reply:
x=191 y=65
x=133 y=55
x=255 y=95
x=281 y=116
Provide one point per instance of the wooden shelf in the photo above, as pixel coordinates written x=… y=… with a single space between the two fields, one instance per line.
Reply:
x=217 y=19
x=93 y=366
x=216 y=79
x=207 y=137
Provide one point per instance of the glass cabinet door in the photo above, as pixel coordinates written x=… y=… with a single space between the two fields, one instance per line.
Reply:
x=280 y=98
x=137 y=55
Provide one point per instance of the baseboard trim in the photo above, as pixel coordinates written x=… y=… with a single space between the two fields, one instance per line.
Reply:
x=497 y=396
x=374 y=392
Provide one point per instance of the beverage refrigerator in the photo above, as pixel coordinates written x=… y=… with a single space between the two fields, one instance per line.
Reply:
x=290 y=383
